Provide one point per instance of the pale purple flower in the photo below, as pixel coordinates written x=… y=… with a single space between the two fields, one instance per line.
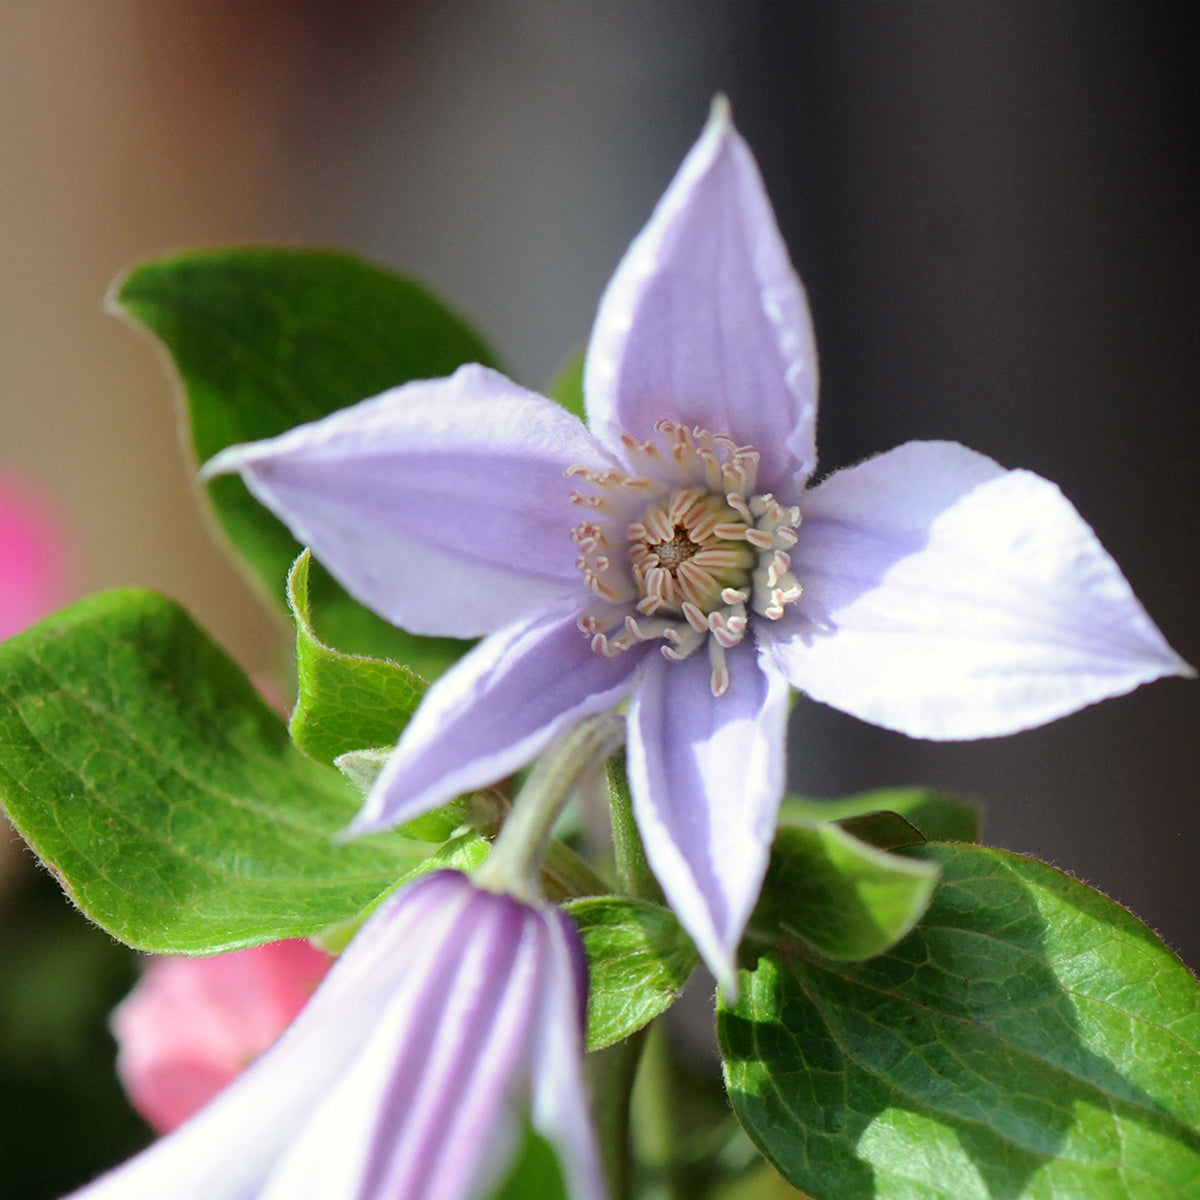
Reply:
x=927 y=590
x=452 y=1013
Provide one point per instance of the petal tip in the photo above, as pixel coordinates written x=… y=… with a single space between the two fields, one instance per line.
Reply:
x=227 y=462
x=720 y=114
x=1182 y=668
x=727 y=979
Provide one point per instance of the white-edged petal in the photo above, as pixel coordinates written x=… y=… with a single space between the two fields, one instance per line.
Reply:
x=705 y=323
x=948 y=598
x=440 y=504
x=495 y=711
x=706 y=775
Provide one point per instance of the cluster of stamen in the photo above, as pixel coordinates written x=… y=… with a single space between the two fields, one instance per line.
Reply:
x=682 y=550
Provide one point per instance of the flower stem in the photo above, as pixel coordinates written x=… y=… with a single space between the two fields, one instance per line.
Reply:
x=567 y=875
x=634 y=876
x=515 y=862
x=612 y=1072
x=655 y=1119
x=614 y=1069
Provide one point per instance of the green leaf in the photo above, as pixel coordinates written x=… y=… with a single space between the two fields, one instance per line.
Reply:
x=347 y=704
x=884 y=830
x=1029 y=1039
x=143 y=768
x=345 y=701
x=844 y=898
x=639 y=958
x=939 y=817
x=267 y=338
x=567 y=387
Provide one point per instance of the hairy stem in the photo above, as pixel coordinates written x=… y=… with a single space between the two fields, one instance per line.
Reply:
x=634 y=876
x=515 y=863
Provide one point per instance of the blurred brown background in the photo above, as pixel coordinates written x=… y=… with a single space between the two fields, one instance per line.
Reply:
x=994 y=208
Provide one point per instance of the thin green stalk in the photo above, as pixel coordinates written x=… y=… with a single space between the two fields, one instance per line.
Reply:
x=634 y=876
x=568 y=874
x=657 y=1140
x=612 y=1072
x=615 y=1069
x=515 y=863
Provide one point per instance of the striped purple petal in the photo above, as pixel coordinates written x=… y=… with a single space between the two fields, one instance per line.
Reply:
x=449 y=1018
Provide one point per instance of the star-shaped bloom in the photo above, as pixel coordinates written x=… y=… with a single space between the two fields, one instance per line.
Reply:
x=672 y=557
x=453 y=1012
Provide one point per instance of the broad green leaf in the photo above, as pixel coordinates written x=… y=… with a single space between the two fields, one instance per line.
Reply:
x=143 y=768
x=940 y=818
x=267 y=338
x=639 y=958
x=344 y=702
x=1030 y=1040
x=844 y=898
x=567 y=387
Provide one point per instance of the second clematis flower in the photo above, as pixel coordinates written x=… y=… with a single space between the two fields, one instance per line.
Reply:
x=674 y=558
x=454 y=1011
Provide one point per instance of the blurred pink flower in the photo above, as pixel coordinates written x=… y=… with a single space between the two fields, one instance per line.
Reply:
x=31 y=560
x=193 y=1024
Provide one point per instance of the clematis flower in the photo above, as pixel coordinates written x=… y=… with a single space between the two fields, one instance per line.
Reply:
x=192 y=1025
x=452 y=1012
x=674 y=558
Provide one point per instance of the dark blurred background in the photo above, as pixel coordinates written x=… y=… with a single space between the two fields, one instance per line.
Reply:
x=993 y=206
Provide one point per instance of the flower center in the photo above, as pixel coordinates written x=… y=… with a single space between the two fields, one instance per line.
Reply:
x=683 y=551
x=678 y=550
x=687 y=551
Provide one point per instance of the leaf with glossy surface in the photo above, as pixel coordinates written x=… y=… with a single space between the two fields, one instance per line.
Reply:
x=639 y=958
x=939 y=817
x=143 y=768
x=267 y=338
x=1029 y=1040
x=844 y=898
